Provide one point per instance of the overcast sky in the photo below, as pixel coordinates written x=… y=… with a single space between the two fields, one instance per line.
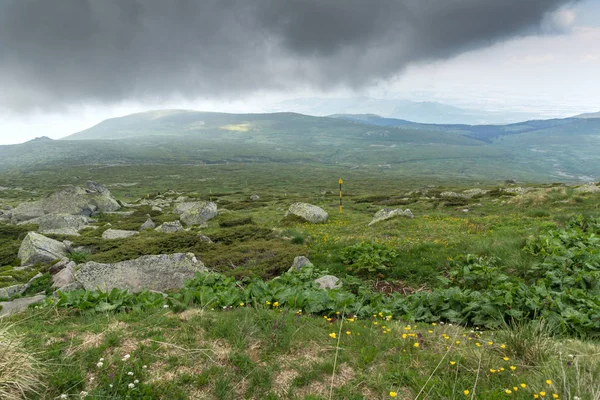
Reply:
x=66 y=65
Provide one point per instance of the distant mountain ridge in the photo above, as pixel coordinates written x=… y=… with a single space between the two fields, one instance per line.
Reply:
x=427 y=112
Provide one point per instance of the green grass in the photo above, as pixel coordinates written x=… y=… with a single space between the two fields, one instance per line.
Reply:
x=253 y=353
x=271 y=352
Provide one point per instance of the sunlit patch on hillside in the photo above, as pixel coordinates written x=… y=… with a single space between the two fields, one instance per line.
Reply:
x=236 y=127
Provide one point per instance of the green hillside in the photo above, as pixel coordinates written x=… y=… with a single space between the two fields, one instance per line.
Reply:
x=543 y=151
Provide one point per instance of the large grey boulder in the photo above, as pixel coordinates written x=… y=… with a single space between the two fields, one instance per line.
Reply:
x=388 y=213
x=60 y=224
x=38 y=248
x=328 y=282
x=72 y=200
x=196 y=213
x=118 y=234
x=170 y=227
x=308 y=212
x=299 y=263
x=159 y=272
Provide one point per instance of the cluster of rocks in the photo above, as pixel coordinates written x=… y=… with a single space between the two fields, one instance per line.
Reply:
x=72 y=200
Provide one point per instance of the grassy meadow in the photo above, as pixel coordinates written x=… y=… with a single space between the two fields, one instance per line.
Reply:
x=492 y=297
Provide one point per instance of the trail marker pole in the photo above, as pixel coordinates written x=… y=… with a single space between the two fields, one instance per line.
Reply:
x=341 y=181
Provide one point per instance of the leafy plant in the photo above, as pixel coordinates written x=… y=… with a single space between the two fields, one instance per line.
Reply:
x=368 y=258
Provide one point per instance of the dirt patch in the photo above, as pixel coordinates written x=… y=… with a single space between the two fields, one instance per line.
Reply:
x=303 y=356
x=322 y=387
x=283 y=380
x=88 y=340
x=221 y=350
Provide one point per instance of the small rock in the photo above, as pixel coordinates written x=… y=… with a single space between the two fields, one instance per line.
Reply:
x=64 y=277
x=157 y=208
x=149 y=224
x=59 y=266
x=118 y=234
x=204 y=238
x=196 y=213
x=255 y=197
x=328 y=282
x=388 y=213
x=170 y=227
x=308 y=213
x=299 y=263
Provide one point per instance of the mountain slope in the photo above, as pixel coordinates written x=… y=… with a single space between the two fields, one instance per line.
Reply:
x=588 y=115
x=488 y=133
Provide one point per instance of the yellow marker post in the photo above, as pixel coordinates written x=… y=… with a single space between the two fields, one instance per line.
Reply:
x=341 y=206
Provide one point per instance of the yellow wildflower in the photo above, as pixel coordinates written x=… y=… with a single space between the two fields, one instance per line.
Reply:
x=542 y=394
x=393 y=394
x=458 y=342
x=506 y=358
x=512 y=367
x=508 y=391
x=416 y=344
x=466 y=392
x=268 y=303
x=433 y=324
x=548 y=381
x=554 y=395
x=276 y=304
x=523 y=385
x=452 y=362
x=332 y=335
x=478 y=344
x=502 y=346
x=348 y=333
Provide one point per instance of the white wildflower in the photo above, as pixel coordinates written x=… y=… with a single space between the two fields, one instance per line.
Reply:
x=131 y=386
x=130 y=373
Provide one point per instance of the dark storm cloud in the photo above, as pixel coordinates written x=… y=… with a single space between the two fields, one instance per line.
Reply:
x=65 y=52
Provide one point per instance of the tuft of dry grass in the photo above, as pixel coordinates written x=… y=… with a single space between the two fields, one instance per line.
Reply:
x=20 y=371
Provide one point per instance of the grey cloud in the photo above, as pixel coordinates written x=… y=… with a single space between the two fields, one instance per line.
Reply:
x=59 y=53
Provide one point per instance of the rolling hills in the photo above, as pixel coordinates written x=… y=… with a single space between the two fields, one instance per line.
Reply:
x=543 y=150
